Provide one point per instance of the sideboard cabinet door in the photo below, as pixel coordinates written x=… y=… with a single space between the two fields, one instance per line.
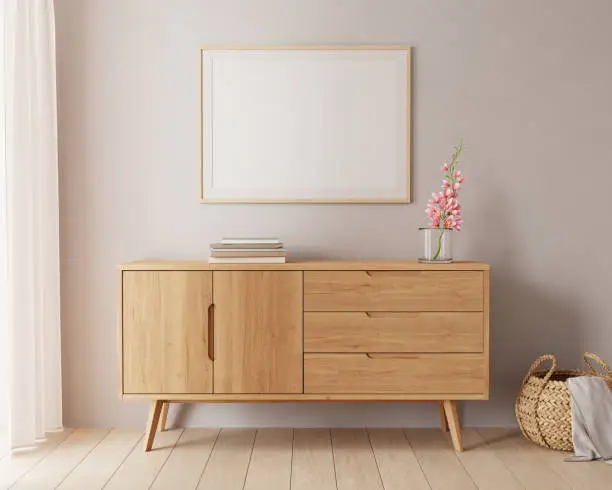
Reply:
x=258 y=331
x=165 y=332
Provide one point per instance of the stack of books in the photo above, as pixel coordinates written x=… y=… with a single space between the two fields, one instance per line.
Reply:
x=248 y=251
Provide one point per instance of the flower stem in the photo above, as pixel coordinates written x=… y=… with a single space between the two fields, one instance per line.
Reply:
x=436 y=255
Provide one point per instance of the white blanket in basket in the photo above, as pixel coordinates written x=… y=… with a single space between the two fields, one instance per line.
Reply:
x=591 y=403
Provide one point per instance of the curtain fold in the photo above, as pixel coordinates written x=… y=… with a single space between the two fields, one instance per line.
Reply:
x=31 y=221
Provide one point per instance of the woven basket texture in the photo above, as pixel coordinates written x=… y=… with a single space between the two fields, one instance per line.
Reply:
x=543 y=404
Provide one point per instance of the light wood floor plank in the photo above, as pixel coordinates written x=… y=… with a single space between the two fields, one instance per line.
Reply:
x=303 y=459
x=187 y=461
x=270 y=467
x=529 y=470
x=588 y=476
x=438 y=460
x=16 y=465
x=356 y=467
x=313 y=462
x=595 y=475
x=50 y=472
x=140 y=469
x=396 y=460
x=485 y=468
x=229 y=460
x=100 y=464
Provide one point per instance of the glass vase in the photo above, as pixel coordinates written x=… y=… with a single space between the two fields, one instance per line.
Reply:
x=438 y=245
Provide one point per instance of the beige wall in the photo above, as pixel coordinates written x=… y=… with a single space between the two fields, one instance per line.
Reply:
x=527 y=84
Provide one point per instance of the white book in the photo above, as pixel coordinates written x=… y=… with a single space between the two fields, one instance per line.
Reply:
x=247 y=260
x=249 y=250
x=241 y=241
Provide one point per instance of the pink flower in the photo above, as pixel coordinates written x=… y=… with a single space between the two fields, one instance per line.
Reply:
x=443 y=208
x=449 y=222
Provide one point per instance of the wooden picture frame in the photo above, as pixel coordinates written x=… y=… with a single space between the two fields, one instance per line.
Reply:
x=254 y=149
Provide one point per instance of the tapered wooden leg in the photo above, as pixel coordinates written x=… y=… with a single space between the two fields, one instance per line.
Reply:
x=154 y=416
x=163 y=417
x=443 y=421
x=450 y=409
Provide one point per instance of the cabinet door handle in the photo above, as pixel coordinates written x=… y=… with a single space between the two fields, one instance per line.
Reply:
x=389 y=355
x=211 y=332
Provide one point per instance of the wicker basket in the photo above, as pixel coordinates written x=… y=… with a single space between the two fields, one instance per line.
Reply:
x=543 y=404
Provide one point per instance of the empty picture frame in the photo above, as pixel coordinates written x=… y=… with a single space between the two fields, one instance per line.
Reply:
x=305 y=124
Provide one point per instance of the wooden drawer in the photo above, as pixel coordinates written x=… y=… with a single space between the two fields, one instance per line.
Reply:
x=393 y=291
x=393 y=332
x=395 y=373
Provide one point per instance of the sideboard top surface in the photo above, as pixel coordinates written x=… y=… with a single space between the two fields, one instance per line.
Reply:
x=304 y=265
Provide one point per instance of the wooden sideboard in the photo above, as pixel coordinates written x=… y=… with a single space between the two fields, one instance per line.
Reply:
x=190 y=331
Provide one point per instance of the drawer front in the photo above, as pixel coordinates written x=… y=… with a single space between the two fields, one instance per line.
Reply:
x=393 y=332
x=393 y=291
x=395 y=373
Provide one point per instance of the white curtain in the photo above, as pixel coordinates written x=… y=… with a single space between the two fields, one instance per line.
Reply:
x=30 y=265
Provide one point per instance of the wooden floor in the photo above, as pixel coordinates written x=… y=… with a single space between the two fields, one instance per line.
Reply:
x=300 y=459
